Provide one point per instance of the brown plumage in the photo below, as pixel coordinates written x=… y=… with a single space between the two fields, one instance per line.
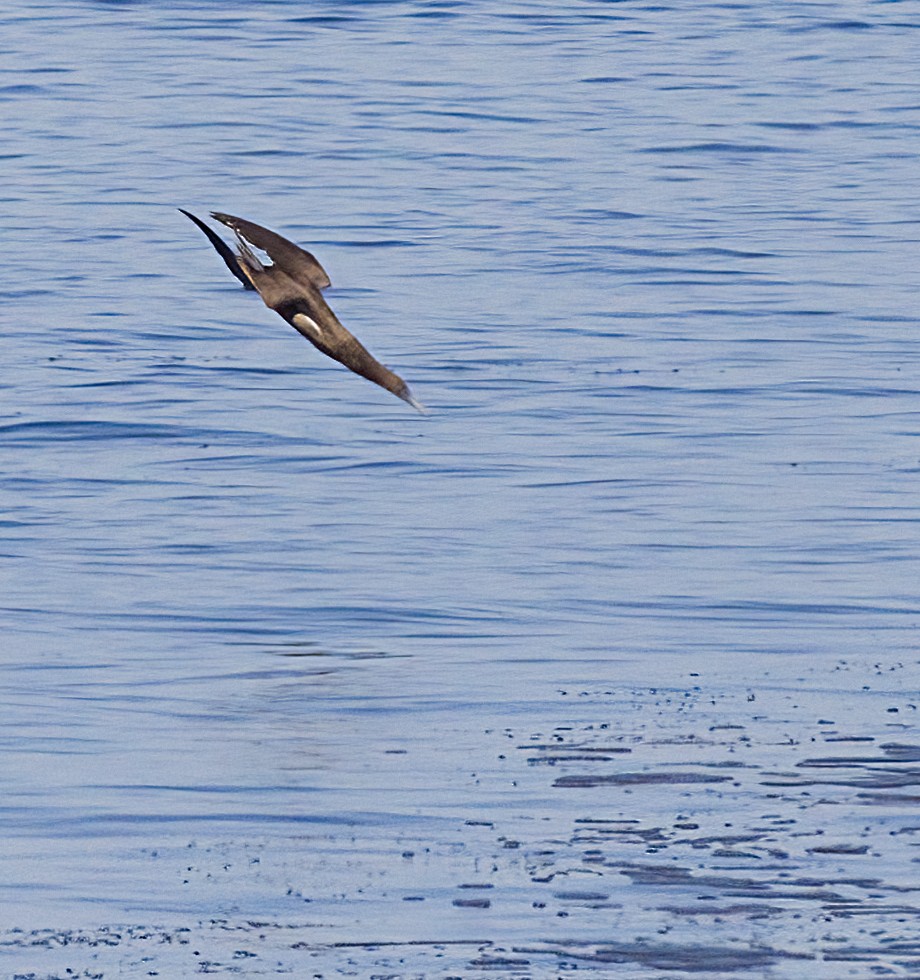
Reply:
x=291 y=287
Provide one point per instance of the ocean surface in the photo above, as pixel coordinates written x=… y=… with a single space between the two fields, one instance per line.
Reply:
x=609 y=665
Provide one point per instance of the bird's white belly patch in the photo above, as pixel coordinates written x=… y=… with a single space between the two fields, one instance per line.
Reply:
x=311 y=327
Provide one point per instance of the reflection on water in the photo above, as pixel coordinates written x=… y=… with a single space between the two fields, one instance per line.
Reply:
x=606 y=665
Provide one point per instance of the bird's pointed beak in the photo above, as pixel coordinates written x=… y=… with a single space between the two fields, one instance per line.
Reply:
x=415 y=403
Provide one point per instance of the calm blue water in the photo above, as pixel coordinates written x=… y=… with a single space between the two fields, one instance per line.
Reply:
x=611 y=661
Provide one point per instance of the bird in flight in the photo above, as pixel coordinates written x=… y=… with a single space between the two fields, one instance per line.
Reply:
x=291 y=286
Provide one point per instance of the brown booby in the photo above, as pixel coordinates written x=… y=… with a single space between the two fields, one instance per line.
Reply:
x=291 y=287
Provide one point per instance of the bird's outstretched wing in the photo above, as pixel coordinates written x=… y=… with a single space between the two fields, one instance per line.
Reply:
x=296 y=262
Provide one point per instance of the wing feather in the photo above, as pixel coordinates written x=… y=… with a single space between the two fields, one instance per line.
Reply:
x=288 y=257
x=222 y=248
